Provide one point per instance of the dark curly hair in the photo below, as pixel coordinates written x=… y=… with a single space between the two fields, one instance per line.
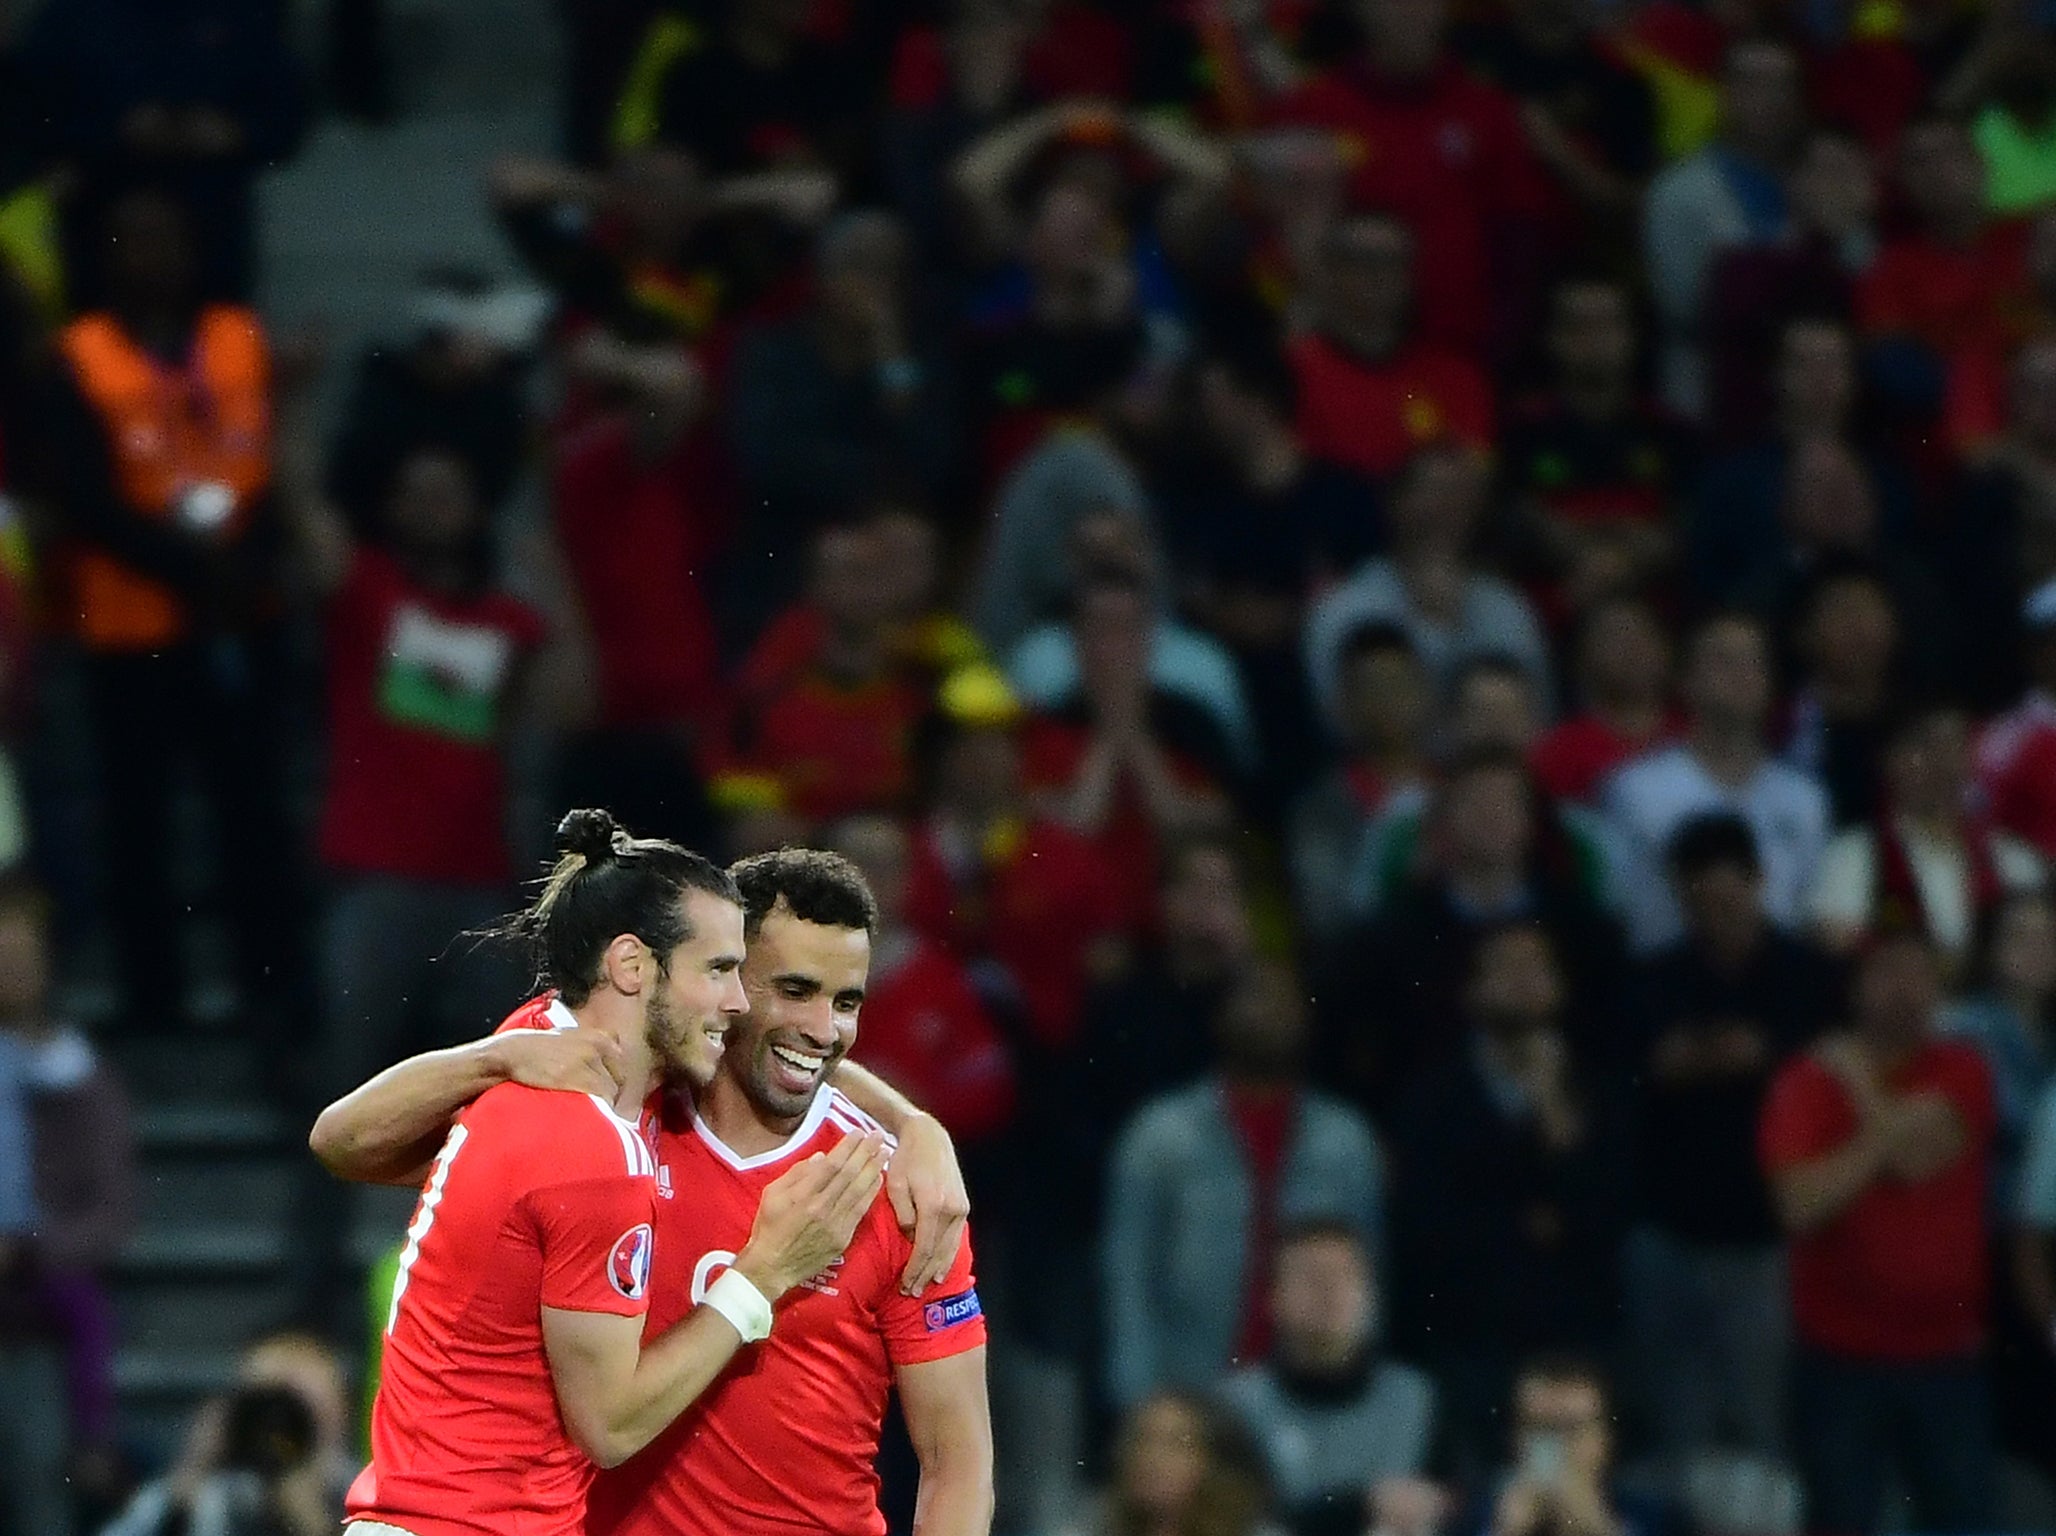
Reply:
x=815 y=885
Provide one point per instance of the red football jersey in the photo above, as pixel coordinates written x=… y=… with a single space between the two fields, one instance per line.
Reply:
x=536 y=1200
x=785 y=1440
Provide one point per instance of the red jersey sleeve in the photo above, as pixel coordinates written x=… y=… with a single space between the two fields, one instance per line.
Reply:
x=944 y=1320
x=597 y=1240
x=1806 y=1116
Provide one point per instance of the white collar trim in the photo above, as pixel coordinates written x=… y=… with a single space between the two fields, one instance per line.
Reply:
x=817 y=1112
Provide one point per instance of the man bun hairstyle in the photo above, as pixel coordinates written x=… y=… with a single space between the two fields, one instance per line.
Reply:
x=603 y=884
x=815 y=885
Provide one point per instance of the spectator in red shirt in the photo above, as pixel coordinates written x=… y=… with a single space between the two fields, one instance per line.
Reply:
x=1124 y=763
x=427 y=660
x=1373 y=391
x=2016 y=757
x=1956 y=277
x=926 y=1030
x=1624 y=677
x=827 y=732
x=1446 y=153
x=1878 y=1147
x=992 y=879
x=1591 y=464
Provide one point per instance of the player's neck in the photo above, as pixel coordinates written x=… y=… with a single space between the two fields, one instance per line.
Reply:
x=740 y=1125
x=640 y=1074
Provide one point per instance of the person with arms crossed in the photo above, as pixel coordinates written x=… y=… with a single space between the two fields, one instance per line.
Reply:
x=817 y=1391
x=514 y=1355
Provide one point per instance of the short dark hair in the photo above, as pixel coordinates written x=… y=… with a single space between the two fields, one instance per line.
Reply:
x=606 y=883
x=1710 y=841
x=816 y=886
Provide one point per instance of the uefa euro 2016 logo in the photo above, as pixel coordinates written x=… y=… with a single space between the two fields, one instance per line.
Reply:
x=628 y=1267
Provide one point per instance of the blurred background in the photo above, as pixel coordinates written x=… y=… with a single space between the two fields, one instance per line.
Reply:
x=1435 y=620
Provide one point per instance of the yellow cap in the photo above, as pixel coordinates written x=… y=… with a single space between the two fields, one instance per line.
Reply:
x=978 y=695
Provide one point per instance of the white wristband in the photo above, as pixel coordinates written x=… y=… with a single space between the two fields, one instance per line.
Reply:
x=736 y=1299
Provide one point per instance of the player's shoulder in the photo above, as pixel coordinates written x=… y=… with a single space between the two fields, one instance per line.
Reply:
x=840 y=1117
x=572 y=1136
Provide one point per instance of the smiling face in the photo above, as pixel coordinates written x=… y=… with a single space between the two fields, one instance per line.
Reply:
x=805 y=984
x=699 y=994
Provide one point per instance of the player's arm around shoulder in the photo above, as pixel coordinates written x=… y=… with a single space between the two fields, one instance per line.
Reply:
x=617 y=1394
x=937 y=1343
x=386 y=1130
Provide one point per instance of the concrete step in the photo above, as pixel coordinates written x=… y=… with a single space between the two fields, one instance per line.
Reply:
x=200 y=1319
x=256 y=1189
x=195 y=1067
x=209 y=1126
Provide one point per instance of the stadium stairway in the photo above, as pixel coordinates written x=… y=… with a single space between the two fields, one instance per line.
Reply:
x=207 y=1267
x=347 y=226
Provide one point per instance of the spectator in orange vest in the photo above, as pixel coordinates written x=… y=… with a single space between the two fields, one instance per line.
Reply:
x=160 y=453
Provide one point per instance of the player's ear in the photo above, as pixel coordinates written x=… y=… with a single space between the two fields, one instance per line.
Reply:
x=626 y=964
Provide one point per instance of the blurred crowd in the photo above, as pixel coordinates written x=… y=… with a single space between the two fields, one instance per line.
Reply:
x=1435 y=621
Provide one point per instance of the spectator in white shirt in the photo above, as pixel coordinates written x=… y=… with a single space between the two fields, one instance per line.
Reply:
x=1926 y=861
x=1723 y=764
x=1430 y=586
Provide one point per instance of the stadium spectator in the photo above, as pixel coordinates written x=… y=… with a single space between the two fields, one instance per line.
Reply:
x=1182 y=1467
x=1185 y=662
x=1335 y=1417
x=1431 y=584
x=2003 y=1007
x=1722 y=763
x=759 y=89
x=829 y=732
x=1926 y=861
x=1590 y=120
x=1562 y=1477
x=54 y=1328
x=1755 y=293
x=1148 y=1027
x=201 y=98
x=1076 y=476
x=1508 y=1194
x=269 y=1458
x=1202 y=1181
x=1591 y=466
x=1122 y=762
x=843 y=401
x=1731 y=193
x=1771 y=511
x=1623 y=701
x=1372 y=391
x=1945 y=284
x=1847 y=641
x=926 y=1030
x=159 y=428
x=1446 y=153
x=2016 y=756
x=1254 y=524
x=996 y=881
x=1878 y=1148
x=1490 y=852
x=1383 y=707
x=1715 y=1015
x=454 y=380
